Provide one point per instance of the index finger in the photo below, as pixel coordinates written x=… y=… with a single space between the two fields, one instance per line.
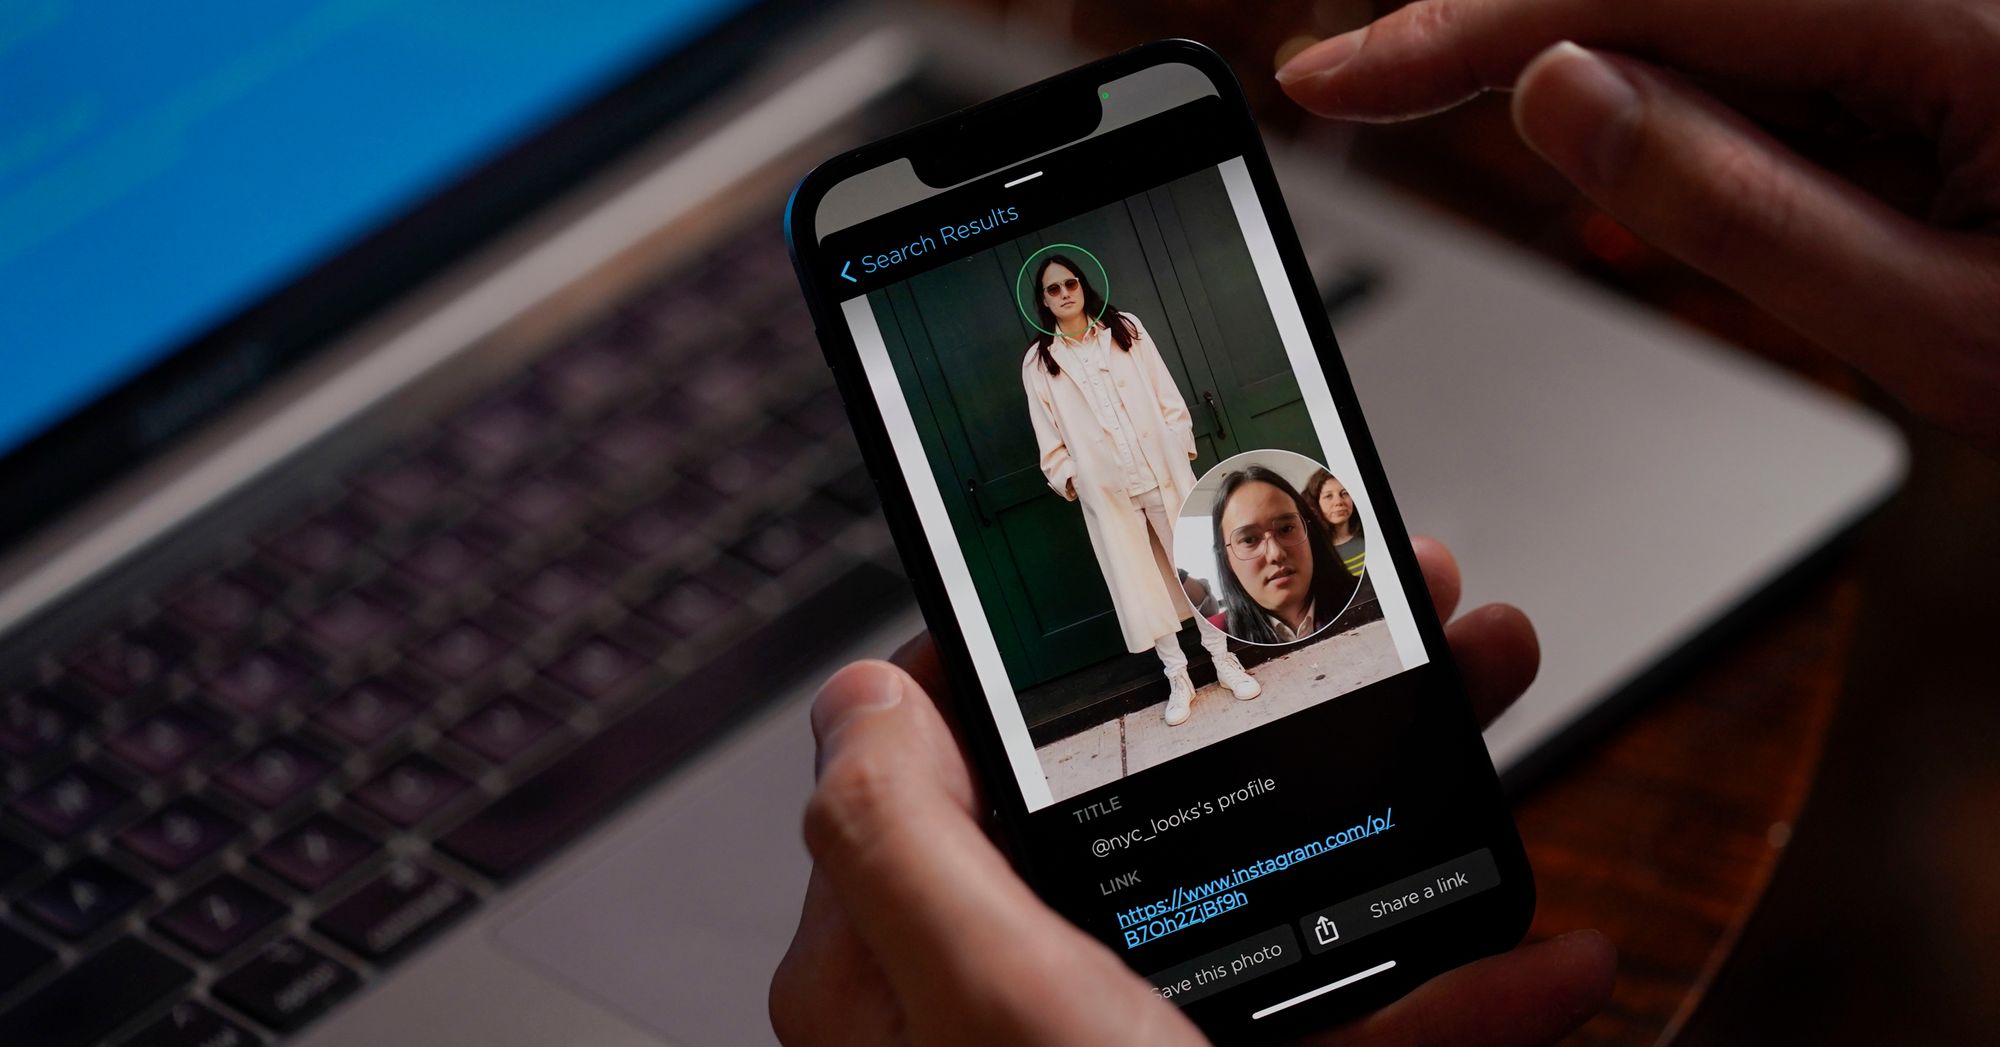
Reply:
x=1435 y=54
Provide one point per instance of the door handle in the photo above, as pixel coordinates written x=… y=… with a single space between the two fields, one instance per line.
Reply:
x=1215 y=410
x=978 y=507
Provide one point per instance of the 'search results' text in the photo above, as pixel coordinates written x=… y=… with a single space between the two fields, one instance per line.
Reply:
x=948 y=234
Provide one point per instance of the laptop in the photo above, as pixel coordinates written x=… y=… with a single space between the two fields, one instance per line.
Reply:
x=426 y=512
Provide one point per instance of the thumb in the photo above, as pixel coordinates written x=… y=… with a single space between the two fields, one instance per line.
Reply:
x=1703 y=183
x=892 y=829
x=969 y=951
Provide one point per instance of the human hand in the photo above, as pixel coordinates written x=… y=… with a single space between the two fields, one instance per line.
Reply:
x=917 y=931
x=1885 y=248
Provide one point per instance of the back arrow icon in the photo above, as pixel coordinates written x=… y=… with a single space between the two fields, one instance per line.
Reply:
x=843 y=273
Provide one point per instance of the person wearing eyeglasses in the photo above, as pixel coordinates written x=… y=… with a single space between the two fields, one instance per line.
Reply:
x=1284 y=581
x=1115 y=437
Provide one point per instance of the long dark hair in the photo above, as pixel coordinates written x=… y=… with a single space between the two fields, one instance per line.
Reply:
x=1314 y=485
x=1122 y=331
x=1332 y=586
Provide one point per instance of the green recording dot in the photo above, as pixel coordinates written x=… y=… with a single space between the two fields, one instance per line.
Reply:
x=1104 y=96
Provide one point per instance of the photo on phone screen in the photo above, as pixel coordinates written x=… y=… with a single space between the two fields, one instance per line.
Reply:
x=1183 y=360
x=1191 y=648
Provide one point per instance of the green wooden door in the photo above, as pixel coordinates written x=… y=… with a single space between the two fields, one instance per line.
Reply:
x=1253 y=400
x=956 y=339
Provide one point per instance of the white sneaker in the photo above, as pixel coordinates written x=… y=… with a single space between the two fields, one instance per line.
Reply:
x=1230 y=673
x=1180 y=698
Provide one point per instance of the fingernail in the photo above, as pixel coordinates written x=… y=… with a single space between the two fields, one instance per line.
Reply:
x=1323 y=57
x=1583 y=121
x=854 y=691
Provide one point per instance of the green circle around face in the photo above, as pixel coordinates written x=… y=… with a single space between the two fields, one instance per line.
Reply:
x=1104 y=286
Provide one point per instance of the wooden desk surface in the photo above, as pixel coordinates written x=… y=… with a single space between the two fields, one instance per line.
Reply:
x=1666 y=834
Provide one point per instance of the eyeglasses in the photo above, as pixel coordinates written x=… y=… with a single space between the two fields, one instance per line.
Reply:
x=1060 y=286
x=1246 y=542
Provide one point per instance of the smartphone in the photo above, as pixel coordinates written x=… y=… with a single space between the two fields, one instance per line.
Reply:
x=1188 y=642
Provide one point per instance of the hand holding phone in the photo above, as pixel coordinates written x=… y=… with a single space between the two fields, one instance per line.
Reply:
x=1216 y=722
x=917 y=978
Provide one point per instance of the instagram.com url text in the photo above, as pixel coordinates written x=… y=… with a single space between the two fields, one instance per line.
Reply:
x=1198 y=903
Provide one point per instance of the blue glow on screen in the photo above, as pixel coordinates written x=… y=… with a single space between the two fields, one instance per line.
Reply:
x=162 y=165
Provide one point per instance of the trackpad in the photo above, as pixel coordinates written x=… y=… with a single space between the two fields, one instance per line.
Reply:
x=677 y=917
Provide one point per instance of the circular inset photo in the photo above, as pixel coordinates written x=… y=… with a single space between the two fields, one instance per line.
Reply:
x=1058 y=283
x=1272 y=542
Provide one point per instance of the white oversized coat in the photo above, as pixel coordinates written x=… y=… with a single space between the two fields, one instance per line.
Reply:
x=1077 y=451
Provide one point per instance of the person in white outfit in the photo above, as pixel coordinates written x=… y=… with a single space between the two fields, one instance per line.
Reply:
x=1116 y=438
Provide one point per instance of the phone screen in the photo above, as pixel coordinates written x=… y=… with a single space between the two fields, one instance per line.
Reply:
x=1212 y=704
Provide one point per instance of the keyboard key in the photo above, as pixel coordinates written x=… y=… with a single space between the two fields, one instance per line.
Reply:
x=20 y=956
x=33 y=724
x=631 y=447
x=315 y=853
x=775 y=546
x=102 y=992
x=82 y=898
x=192 y=1024
x=163 y=742
x=257 y=683
x=584 y=381
x=320 y=545
x=69 y=803
x=350 y=622
x=445 y=561
x=539 y=505
x=221 y=606
x=394 y=912
x=413 y=790
x=509 y=835
x=461 y=652
x=405 y=491
x=503 y=729
x=287 y=985
x=218 y=916
x=735 y=472
x=657 y=529
x=123 y=664
x=179 y=835
x=495 y=438
x=691 y=604
x=596 y=668
x=368 y=712
x=559 y=590
x=274 y=774
x=725 y=382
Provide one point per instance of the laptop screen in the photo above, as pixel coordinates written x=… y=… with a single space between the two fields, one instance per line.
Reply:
x=164 y=165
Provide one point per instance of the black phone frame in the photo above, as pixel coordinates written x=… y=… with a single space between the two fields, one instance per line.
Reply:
x=1482 y=925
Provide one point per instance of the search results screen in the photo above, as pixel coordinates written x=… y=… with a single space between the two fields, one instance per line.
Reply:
x=1159 y=545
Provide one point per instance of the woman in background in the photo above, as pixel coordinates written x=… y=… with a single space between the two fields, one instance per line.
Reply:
x=1343 y=525
x=1116 y=438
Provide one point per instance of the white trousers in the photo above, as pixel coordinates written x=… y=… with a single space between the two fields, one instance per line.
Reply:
x=1173 y=661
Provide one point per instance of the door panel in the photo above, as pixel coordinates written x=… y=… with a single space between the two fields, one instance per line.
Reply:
x=1226 y=298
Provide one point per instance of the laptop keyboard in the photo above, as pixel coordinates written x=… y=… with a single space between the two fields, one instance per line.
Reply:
x=281 y=774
